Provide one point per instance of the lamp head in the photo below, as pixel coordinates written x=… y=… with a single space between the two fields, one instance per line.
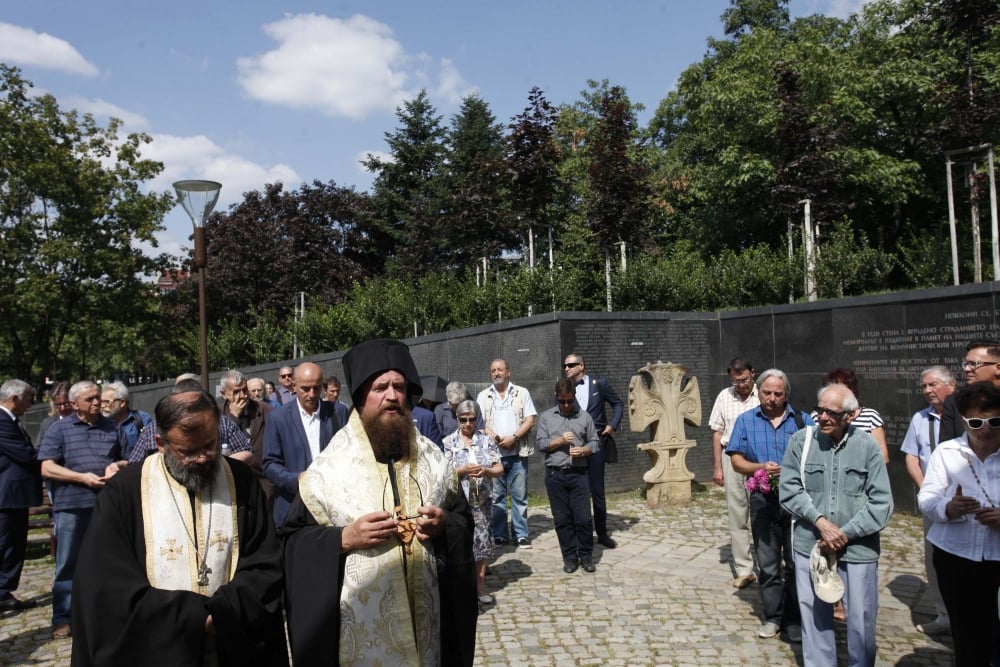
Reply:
x=198 y=198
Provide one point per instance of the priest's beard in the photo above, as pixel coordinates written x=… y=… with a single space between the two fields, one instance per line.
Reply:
x=389 y=433
x=194 y=476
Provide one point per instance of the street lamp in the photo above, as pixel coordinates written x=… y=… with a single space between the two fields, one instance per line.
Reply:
x=198 y=199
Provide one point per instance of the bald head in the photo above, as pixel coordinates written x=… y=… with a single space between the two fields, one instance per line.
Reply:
x=309 y=386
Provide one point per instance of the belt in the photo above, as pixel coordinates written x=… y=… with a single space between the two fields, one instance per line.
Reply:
x=569 y=469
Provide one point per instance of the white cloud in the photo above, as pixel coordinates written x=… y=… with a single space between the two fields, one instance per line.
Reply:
x=102 y=109
x=24 y=46
x=364 y=156
x=840 y=9
x=342 y=67
x=200 y=157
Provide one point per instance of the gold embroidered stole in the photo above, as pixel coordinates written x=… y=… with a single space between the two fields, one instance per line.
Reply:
x=172 y=561
x=389 y=606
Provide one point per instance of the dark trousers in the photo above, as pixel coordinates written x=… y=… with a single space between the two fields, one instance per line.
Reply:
x=595 y=474
x=13 y=544
x=772 y=539
x=569 y=498
x=969 y=590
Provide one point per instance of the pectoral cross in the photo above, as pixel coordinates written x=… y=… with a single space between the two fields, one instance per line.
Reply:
x=220 y=540
x=172 y=550
x=203 y=571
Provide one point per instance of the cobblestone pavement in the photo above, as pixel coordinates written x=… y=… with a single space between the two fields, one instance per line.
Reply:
x=663 y=597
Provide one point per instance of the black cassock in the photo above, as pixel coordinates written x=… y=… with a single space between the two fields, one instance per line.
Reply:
x=119 y=619
x=314 y=569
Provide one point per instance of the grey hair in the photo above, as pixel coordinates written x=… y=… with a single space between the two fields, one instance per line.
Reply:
x=941 y=371
x=467 y=406
x=775 y=373
x=12 y=388
x=231 y=379
x=455 y=392
x=850 y=402
x=187 y=376
x=121 y=391
x=79 y=387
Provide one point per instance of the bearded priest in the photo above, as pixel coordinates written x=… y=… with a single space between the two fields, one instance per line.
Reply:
x=180 y=565
x=379 y=567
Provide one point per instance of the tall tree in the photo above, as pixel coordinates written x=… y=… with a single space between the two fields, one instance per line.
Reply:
x=408 y=191
x=533 y=158
x=477 y=214
x=71 y=218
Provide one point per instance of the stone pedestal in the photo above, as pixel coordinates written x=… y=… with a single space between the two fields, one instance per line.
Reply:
x=668 y=481
x=663 y=398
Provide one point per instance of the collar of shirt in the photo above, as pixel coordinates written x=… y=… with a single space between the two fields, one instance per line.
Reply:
x=12 y=415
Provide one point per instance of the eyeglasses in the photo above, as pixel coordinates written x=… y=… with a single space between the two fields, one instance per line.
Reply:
x=570 y=401
x=208 y=452
x=833 y=414
x=467 y=420
x=976 y=423
x=976 y=365
x=285 y=375
x=742 y=383
x=572 y=365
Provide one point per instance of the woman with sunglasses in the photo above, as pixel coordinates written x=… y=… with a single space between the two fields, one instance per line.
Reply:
x=961 y=495
x=477 y=460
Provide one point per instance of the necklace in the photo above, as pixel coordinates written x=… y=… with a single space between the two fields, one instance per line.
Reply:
x=978 y=481
x=203 y=569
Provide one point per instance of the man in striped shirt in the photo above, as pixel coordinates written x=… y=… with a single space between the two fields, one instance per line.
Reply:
x=730 y=404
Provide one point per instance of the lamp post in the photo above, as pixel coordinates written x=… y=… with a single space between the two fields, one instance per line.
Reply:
x=198 y=199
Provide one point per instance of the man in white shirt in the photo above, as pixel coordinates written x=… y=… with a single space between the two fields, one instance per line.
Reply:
x=730 y=404
x=509 y=414
x=936 y=384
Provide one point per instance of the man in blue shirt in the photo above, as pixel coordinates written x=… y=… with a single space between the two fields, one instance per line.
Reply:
x=936 y=384
x=79 y=455
x=758 y=442
x=114 y=406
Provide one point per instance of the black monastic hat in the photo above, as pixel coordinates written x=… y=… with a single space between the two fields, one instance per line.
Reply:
x=366 y=360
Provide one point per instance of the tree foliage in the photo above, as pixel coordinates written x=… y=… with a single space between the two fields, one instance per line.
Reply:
x=71 y=215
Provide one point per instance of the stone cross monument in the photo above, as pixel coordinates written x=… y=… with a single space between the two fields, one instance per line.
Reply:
x=659 y=397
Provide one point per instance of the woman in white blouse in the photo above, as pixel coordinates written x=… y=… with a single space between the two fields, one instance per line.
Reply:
x=961 y=495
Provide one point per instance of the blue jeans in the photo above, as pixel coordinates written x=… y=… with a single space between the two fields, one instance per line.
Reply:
x=514 y=483
x=71 y=526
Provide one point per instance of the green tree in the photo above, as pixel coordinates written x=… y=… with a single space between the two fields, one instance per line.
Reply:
x=478 y=217
x=71 y=218
x=408 y=191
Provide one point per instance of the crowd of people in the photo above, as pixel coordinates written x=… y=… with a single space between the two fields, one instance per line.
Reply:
x=202 y=533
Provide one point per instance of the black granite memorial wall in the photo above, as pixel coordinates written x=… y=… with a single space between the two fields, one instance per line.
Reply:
x=885 y=339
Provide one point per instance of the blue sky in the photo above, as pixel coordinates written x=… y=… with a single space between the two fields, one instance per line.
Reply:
x=250 y=92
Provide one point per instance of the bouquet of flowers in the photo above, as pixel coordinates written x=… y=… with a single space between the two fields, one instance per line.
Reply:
x=762 y=482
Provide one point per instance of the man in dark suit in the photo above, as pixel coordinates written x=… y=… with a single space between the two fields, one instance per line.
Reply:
x=20 y=488
x=295 y=434
x=591 y=394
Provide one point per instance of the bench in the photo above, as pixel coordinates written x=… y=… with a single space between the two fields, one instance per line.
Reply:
x=41 y=526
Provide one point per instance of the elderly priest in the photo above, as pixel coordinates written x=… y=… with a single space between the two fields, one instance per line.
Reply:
x=180 y=565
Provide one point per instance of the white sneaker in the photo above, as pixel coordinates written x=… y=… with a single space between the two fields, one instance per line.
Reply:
x=767 y=630
x=523 y=543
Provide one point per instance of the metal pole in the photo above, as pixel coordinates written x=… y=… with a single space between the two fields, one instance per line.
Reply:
x=951 y=223
x=791 y=255
x=993 y=217
x=200 y=260
x=977 y=240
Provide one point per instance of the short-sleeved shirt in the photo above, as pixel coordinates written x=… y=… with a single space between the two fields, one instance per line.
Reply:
x=229 y=432
x=922 y=435
x=83 y=448
x=758 y=440
x=728 y=406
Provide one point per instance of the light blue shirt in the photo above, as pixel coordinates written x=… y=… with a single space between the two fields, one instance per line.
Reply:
x=917 y=441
